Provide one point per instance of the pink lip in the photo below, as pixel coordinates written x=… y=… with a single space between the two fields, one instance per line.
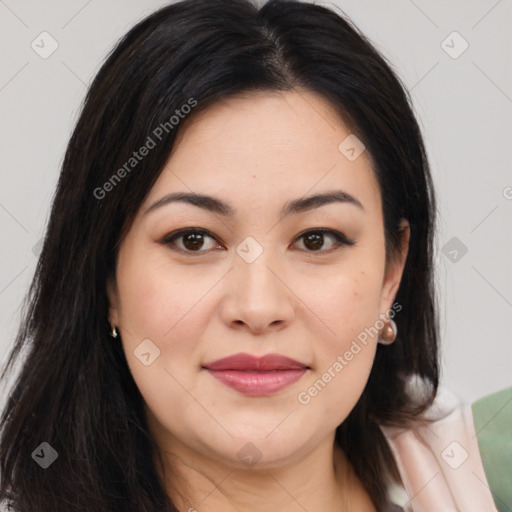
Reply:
x=256 y=376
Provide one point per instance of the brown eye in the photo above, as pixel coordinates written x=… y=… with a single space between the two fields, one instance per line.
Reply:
x=315 y=239
x=192 y=240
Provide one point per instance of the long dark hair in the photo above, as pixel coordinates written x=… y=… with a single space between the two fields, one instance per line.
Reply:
x=74 y=390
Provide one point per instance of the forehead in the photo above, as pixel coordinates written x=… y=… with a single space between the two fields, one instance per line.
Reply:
x=267 y=143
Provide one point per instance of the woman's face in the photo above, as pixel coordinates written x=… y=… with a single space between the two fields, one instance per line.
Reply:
x=259 y=278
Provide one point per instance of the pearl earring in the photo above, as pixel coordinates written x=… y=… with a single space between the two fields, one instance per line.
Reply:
x=114 y=332
x=388 y=333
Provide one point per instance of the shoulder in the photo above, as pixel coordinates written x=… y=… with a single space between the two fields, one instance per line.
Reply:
x=439 y=458
x=492 y=417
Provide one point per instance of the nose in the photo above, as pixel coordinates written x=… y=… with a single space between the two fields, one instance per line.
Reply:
x=258 y=299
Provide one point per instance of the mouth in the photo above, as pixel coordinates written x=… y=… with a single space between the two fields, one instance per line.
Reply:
x=257 y=376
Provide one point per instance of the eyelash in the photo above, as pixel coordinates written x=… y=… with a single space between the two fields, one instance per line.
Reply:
x=340 y=238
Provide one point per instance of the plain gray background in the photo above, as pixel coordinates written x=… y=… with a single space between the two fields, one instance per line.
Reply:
x=463 y=100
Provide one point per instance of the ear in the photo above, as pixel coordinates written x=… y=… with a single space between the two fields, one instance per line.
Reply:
x=113 y=313
x=394 y=271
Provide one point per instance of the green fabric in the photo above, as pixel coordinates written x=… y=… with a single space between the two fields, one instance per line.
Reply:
x=492 y=417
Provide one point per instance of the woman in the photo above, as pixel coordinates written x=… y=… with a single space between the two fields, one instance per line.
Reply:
x=234 y=306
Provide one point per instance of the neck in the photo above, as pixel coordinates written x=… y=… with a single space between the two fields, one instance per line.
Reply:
x=321 y=480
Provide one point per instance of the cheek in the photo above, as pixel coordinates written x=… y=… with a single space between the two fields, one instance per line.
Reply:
x=163 y=306
x=349 y=306
x=156 y=299
x=349 y=303
x=168 y=306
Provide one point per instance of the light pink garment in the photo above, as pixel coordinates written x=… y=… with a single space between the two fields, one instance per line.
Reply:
x=440 y=462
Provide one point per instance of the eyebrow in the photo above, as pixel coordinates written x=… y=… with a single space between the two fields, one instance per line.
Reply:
x=218 y=206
